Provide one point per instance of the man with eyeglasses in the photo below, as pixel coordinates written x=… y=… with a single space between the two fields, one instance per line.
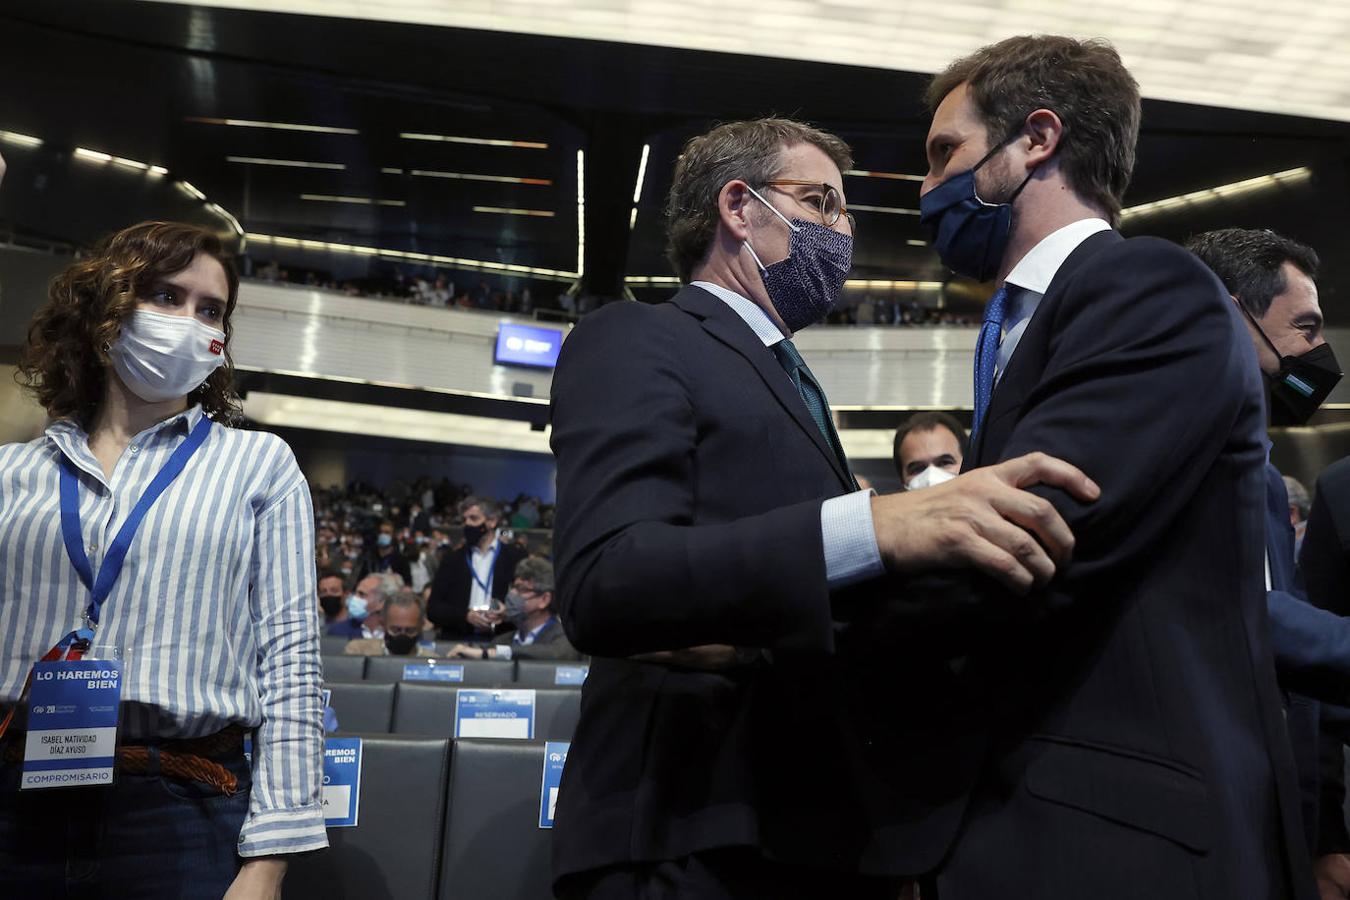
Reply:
x=711 y=538
x=529 y=607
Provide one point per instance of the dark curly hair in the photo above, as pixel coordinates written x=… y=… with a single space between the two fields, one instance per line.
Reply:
x=65 y=363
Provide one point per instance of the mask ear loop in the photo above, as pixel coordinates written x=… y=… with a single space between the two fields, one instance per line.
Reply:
x=1261 y=331
x=794 y=228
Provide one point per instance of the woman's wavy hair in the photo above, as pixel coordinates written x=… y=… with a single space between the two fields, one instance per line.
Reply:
x=65 y=363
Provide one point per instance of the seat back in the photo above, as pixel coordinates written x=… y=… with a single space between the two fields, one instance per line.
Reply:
x=395 y=849
x=430 y=709
x=344 y=668
x=333 y=644
x=477 y=672
x=494 y=846
x=545 y=673
x=362 y=706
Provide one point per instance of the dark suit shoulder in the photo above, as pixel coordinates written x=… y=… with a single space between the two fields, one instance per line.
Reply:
x=1335 y=477
x=624 y=323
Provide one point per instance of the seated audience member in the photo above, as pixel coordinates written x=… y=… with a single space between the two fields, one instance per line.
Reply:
x=528 y=606
x=385 y=557
x=929 y=449
x=1300 y=504
x=404 y=619
x=364 y=606
x=470 y=581
x=332 y=599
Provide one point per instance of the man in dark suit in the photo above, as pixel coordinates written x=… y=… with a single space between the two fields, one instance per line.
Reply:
x=1272 y=280
x=538 y=634
x=707 y=520
x=1136 y=744
x=471 y=582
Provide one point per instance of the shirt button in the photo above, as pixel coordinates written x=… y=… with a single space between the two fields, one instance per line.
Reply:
x=93 y=548
x=135 y=449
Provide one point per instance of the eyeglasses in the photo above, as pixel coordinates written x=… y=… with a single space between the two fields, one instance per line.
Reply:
x=831 y=205
x=523 y=587
x=410 y=631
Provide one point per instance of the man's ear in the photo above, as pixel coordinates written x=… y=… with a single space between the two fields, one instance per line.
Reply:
x=733 y=208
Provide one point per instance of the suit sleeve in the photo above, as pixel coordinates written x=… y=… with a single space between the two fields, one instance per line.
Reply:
x=1146 y=374
x=1322 y=561
x=441 y=607
x=1332 y=834
x=1311 y=648
x=635 y=573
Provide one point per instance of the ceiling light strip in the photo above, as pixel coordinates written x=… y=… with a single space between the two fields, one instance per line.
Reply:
x=891 y=210
x=287 y=163
x=20 y=140
x=483 y=142
x=893 y=176
x=465 y=176
x=278 y=126
x=581 y=213
x=855 y=284
x=637 y=189
x=100 y=157
x=1221 y=192
x=435 y=259
x=365 y=201
x=508 y=211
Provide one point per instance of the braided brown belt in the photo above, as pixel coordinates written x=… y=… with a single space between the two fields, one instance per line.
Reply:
x=186 y=760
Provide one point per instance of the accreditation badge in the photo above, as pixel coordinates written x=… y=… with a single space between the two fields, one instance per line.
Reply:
x=72 y=723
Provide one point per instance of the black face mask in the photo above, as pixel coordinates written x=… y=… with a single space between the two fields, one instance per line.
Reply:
x=1302 y=384
x=400 y=644
x=474 y=533
x=331 y=606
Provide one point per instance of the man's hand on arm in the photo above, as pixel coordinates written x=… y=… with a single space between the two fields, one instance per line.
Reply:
x=984 y=519
x=1333 y=876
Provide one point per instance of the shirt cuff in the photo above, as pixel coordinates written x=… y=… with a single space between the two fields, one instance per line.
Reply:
x=850 y=539
x=503 y=651
x=283 y=831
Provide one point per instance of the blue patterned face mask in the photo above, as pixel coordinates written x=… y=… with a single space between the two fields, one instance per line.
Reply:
x=805 y=287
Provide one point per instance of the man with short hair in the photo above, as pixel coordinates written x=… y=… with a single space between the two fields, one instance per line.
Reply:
x=1121 y=735
x=404 y=619
x=929 y=449
x=529 y=607
x=1271 y=279
x=1300 y=505
x=386 y=556
x=471 y=582
x=708 y=532
x=332 y=598
x=364 y=606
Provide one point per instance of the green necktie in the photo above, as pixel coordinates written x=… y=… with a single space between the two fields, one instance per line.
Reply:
x=813 y=397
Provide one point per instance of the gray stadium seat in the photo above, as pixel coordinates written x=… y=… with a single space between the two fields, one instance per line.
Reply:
x=344 y=668
x=394 y=853
x=332 y=644
x=362 y=706
x=477 y=672
x=430 y=709
x=544 y=673
x=494 y=846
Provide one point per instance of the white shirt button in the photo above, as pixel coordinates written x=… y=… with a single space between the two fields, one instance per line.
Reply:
x=135 y=449
x=93 y=548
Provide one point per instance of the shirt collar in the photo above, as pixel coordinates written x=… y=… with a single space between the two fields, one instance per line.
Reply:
x=748 y=310
x=496 y=541
x=72 y=440
x=1037 y=269
x=533 y=634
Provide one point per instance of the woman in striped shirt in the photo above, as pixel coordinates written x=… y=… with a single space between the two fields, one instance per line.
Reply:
x=211 y=613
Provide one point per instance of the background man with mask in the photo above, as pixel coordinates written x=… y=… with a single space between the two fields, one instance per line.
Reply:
x=704 y=503
x=529 y=607
x=403 y=622
x=471 y=582
x=365 y=605
x=384 y=556
x=929 y=448
x=1136 y=743
x=1271 y=279
x=332 y=599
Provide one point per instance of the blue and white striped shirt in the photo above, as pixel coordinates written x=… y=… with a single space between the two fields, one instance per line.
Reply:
x=214 y=614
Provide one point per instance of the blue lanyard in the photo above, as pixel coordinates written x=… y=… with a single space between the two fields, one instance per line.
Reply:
x=534 y=634
x=101 y=586
x=492 y=570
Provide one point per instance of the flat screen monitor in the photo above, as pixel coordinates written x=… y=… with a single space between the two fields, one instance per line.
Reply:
x=525 y=345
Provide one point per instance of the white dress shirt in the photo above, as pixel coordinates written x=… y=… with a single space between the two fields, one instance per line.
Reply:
x=482 y=562
x=846 y=527
x=1033 y=275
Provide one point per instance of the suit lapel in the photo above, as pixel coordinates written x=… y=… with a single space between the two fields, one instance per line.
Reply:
x=1005 y=395
x=722 y=322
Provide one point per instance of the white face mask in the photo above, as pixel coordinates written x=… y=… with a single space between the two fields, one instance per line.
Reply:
x=161 y=357
x=929 y=477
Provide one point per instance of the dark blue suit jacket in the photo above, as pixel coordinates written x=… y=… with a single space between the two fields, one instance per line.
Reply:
x=1136 y=739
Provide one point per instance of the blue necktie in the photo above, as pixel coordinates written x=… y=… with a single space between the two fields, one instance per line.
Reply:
x=986 y=354
x=812 y=396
